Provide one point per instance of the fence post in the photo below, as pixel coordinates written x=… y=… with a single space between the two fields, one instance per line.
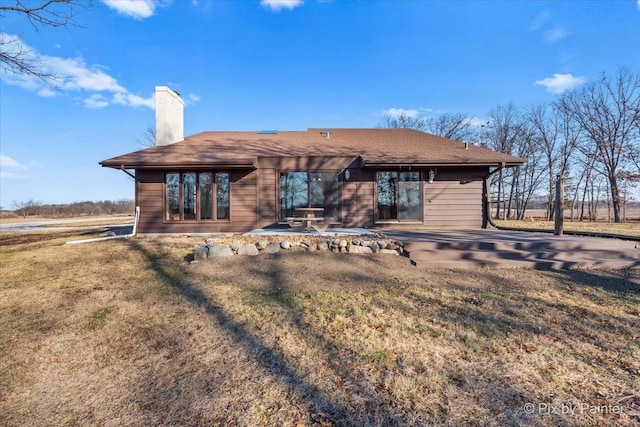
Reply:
x=558 y=228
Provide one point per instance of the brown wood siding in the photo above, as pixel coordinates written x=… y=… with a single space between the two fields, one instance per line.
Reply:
x=454 y=199
x=150 y=196
x=367 y=199
x=305 y=163
x=267 y=197
x=357 y=199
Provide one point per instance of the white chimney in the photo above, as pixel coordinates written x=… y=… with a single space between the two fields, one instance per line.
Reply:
x=169 y=116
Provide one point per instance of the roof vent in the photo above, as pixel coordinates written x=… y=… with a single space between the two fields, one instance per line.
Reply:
x=267 y=132
x=466 y=145
x=326 y=133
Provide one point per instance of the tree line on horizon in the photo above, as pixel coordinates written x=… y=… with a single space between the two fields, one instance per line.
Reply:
x=588 y=137
x=105 y=207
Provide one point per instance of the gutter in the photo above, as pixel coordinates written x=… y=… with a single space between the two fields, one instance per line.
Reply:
x=240 y=164
x=122 y=236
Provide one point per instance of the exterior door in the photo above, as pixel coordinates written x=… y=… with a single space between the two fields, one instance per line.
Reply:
x=399 y=196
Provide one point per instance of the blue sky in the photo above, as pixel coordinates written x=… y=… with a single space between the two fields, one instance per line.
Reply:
x=288 y=65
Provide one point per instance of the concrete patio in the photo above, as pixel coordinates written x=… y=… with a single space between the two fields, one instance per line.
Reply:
x=494 y=248
x=329 y=232
x=510 y=249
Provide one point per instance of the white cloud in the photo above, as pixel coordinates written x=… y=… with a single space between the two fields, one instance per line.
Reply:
x=551 y=32
x=13 y=169
x=138 y=9
x=7 y=162
x=46 y=92
x=395 y=112
x=638 y=4
x=134 y=100
x=96 y=100
x=555 y=34
x=278 y=5
x=561 y=82
x=193 y=98
x=76 y=75
x=476 y=122
x=70 y=75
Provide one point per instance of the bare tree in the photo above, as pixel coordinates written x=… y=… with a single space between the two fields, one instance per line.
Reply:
x=608 y=111
x=557 y=137
x=14 y=57
x=28 y=208
x=404 y=120
x=529 y=177
x=454 y=126
x=505 y=132
x=148 y=138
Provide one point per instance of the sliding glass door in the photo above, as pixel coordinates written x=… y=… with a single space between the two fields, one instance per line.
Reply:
x=294 y=193
x=399 y=196
x=309 y=190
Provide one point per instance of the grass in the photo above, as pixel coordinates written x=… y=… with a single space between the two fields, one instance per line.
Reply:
x=126 y=332
x=83 y=220
x=631 y=228
x=98 y=318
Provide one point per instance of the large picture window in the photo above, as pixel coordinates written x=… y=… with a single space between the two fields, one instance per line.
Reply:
x=309 y=190
x=189 y=196
x=399 y=196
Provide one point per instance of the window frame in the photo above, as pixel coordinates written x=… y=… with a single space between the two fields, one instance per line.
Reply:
x=398 y=218
x=198 y=196
x=309 y=196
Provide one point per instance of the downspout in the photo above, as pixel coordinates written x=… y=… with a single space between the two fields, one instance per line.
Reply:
x=487 y=196
x=123 y=236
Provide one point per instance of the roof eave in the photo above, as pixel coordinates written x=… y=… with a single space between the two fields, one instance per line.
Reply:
x=249 y=164
x=376 y=164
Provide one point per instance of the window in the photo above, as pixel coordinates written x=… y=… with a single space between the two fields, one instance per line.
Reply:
x=189 y=196
x=172 y=204
x=222 y=196
x=206 y=195
x=399 y=196
x=309 y=189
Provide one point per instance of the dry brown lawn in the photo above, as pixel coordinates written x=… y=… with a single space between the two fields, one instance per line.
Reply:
x=85 y=220
x=127 y=332
x=630 y=228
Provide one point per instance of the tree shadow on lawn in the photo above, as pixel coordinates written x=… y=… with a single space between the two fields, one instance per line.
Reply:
x=383 y=407
x=364 y=405
x=618 y=283
x=471 y=319
x=368 y=404
x=271 y=360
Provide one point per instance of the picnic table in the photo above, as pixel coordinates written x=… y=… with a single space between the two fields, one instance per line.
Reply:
x=308 y=221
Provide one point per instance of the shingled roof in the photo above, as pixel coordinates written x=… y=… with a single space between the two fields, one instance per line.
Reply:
x=376 y=147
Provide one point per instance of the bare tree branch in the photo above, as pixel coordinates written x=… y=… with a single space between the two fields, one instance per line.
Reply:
x=452 y=126
x=403 y=120
x=15 y=58
x=607 y=111
x=50 y=13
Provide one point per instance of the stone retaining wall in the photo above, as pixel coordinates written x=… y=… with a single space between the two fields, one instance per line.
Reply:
x=360 y=245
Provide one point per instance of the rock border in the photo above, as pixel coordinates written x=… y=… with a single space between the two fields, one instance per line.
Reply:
x=249 y=246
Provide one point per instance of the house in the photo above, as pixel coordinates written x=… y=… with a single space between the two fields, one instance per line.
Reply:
x=239 y=181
